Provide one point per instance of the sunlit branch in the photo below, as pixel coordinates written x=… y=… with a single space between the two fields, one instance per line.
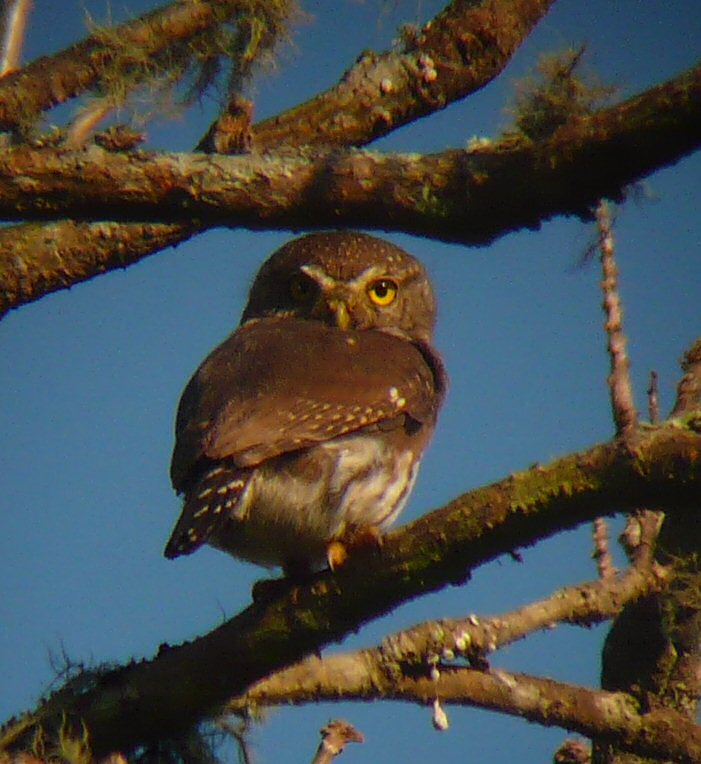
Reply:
x=624 y=413
x=370 y=673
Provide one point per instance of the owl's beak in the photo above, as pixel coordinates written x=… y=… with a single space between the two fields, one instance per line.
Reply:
x=340 y=313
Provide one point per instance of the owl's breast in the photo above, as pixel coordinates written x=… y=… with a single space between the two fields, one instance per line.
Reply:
x=295 y=504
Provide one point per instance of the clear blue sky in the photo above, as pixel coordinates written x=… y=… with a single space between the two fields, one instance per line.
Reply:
x=91 y=377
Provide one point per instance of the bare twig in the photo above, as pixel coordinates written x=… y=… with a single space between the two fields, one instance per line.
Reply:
x=231 y=133
x=653 y=398
x=238 y=732
x=624 y=413
x=573 y=752
x=689 y=388
x=14 y=26
x=602 y=553
x=640 y=535
x=334 y=738
x=87 y=121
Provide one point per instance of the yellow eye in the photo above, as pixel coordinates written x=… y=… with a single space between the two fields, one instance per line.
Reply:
x=383 y=291
x=302 y=288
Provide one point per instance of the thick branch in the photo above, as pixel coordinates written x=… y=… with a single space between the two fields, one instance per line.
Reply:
x=468 y=196
x=612 y=716
x=183 y=684
x=40 y=258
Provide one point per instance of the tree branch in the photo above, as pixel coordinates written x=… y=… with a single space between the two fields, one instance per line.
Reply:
x=334 y=737
x=371 y=673
x=322 y=121
x=39 y=258
x=14 y=24
x=183 y=684
x=450 y=195
x=51 y=80
x=456 y=53
x=615 y=717
x=689 y=388
x=624 y=413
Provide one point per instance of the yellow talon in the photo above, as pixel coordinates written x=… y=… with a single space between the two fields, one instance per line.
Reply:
x=336 y=554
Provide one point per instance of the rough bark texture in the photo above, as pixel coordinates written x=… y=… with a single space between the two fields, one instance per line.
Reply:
x=617 y=717
x=652 y=651
x=451 y=195
x=39 y=258
x=374 y=673
x=455 y=54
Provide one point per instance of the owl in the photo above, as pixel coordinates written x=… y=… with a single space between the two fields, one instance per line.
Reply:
x=300 y=436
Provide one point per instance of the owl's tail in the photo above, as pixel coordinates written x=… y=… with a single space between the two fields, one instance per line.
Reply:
x=207 y=506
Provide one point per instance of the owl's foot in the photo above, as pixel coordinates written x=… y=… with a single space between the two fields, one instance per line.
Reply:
x=354 y=540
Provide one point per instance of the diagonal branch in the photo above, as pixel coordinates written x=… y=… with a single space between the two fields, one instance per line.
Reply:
x=51 y=80
x=611 y=716
x=614 y=717
x=456 y=53
x=183 y=684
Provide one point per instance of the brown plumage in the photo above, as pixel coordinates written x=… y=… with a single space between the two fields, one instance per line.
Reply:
x=306 y=426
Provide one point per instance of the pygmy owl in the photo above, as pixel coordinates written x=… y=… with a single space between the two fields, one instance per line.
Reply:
x=303 y=431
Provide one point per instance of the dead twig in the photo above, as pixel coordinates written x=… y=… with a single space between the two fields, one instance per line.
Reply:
x=334 y=738
x=14 y=26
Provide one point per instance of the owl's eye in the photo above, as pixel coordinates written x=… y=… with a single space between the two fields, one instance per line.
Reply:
x=302 y=288
x=383 y=291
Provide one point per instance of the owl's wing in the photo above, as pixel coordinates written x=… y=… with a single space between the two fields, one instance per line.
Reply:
x=277 y=385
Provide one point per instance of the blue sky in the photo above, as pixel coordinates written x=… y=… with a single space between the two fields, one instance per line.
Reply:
x=91 y=378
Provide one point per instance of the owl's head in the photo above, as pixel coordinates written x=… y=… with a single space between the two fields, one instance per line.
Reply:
x=347 y=279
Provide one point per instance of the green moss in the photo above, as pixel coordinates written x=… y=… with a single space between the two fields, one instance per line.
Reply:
x=536 y=486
